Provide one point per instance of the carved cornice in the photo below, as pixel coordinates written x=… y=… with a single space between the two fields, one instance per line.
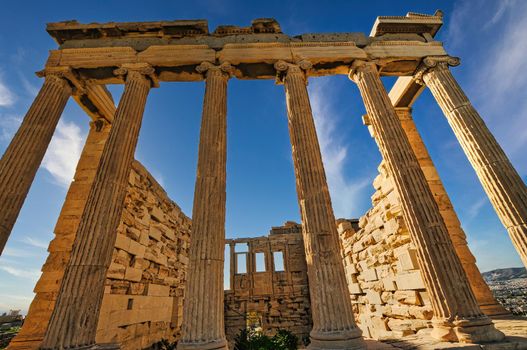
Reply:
x=137 y=71
x=404 y=43
x=434 y=62
x=225 y=68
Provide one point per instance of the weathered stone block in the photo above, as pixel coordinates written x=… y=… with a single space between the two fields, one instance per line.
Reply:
x=370 y=275
x=411 y=280
x=132 y=274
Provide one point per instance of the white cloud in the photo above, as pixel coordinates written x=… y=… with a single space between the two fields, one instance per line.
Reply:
x=474 y=209
x=16 y=253
x=345 y=193
x=31 y=274
x=64 y=152
x=7 y=98
x=31 y=89
x=8 y=126
x=35 y=242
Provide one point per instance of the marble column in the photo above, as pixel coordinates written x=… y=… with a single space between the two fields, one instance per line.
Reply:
x=23 y=156
x=457 y=316
x=73 y=322
x=203 y=322
x=333 y=321
x=502 y=183
x=481 y=290
x=47 y=288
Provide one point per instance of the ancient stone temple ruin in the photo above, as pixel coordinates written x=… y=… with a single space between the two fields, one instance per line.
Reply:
x=128 y=269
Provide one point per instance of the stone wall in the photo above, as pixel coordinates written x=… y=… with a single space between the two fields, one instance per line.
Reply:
x=270 y=299
x=143 y=300
x=148 y=269
x=385 y=284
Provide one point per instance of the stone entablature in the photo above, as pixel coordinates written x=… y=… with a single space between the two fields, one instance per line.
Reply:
x=175 y=48
x=274 y=294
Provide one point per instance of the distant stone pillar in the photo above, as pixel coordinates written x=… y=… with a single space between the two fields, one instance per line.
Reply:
x=482 y=292
x=203 y=322
x=73 y=323
x=23 y=156
x=457 y=316
x=333 y=322
x=502 y=183
x=232 y=258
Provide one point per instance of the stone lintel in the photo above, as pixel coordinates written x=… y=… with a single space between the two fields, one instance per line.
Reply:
x=414 y=23
x=252 y=60
x=405 y=91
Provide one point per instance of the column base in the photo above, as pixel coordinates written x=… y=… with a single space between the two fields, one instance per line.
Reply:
x=220 y=344
x=349 y=340
x=495 y=309
x=479 y=330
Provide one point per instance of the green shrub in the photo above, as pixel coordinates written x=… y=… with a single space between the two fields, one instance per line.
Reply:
x=285 y=340
x=253 y=340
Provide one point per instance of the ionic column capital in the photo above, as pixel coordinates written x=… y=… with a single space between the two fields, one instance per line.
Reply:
x=284 y=68
x=138 y=71
x=224 y=69
x=431 y=63
x=359 y=66
x=62 y=76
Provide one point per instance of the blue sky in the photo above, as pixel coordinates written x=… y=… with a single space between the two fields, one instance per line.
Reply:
x=489 y=36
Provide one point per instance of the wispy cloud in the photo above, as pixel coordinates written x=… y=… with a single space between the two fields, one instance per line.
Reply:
x=345 y=192
x=7 y=97
x=474 y=209
x=64 y=152
x=35 y=242
x=31 y=274
x=31 y=89
x=8 y=126
x=16 y=253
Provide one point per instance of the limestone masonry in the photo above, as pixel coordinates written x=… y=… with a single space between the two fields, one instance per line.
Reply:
x=127 y=269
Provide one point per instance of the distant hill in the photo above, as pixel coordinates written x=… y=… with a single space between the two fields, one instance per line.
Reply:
x=505 y=274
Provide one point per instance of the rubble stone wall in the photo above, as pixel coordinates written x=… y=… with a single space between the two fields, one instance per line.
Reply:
x=270 y=299
x=143 y=300
x=385 y=283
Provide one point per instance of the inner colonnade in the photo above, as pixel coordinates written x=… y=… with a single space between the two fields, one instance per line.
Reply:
x=141 y=55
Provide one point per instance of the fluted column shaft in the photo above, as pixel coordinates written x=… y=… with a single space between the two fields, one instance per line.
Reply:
x=481 y=290
x=502 y=183
x=23 y=156
x=333 y=322
x=73 y=322
x=457 y=316
x=203 y=323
